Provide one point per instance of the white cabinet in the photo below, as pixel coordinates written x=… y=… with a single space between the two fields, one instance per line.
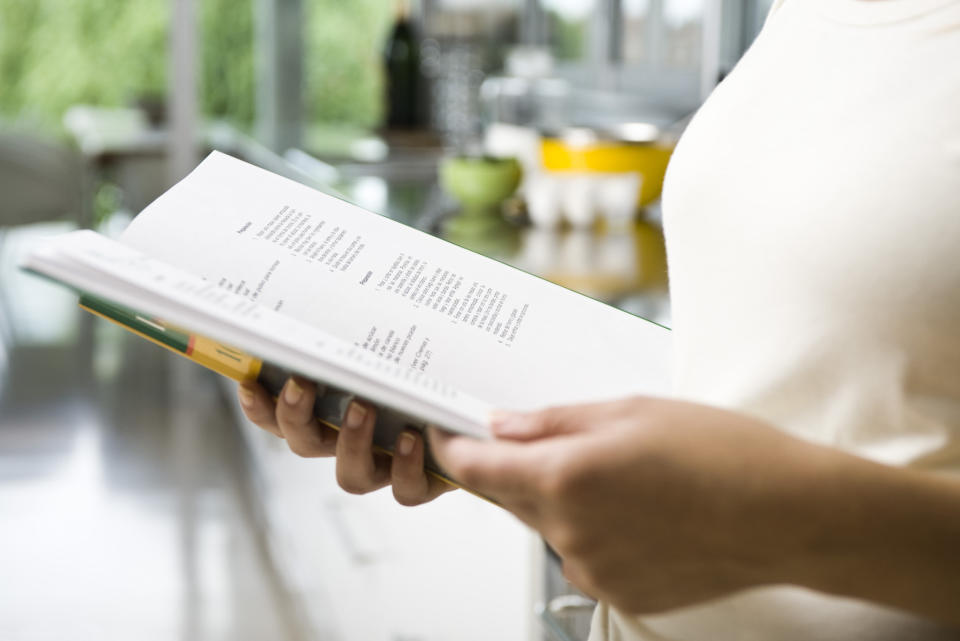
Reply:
x=364 y=567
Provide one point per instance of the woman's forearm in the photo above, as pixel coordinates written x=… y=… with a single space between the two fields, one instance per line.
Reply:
x=884 y=534
x=656 y=504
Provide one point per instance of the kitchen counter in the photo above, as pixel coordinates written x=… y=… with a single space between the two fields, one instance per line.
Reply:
x=623 y=266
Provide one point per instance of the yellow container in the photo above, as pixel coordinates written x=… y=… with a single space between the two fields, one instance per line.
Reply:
x=606 y=156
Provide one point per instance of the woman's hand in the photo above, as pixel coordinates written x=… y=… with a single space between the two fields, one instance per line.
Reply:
x=360 y=469
x=656 y=504
x=653 y=504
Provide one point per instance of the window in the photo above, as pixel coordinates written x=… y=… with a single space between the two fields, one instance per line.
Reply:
x=52 y=58
x=667 y=53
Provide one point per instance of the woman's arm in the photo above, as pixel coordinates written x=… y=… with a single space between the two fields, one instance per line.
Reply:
x=657 y=504
x=894 y=539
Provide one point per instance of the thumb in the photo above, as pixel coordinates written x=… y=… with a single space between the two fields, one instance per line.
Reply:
x=529 y=426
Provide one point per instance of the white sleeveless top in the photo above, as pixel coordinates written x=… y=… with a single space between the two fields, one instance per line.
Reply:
x=812 y=217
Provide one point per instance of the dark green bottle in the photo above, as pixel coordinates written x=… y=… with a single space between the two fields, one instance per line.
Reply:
x=402 y=60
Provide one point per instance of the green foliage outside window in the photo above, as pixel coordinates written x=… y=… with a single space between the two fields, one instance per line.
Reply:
x=568 y=36
x=56 y=53
x=227 y=75
x=343 y=60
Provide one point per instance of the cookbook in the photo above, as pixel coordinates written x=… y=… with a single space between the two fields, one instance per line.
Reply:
x=257 y=277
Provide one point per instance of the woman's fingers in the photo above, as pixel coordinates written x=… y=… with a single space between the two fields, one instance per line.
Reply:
x=359 y=469
x=258 y=407
x=411 y=484
x=508 y=472
x=305 y=435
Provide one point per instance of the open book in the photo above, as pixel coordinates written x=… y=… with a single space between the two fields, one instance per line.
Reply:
x=257 y=276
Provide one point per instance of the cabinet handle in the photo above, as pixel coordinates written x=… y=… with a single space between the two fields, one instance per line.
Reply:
x=566 y=605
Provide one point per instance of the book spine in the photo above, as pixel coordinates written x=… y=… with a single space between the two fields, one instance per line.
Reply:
x=222 y=359
x=330 y=406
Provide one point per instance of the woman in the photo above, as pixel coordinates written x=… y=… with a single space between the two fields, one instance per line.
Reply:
x=805 y=486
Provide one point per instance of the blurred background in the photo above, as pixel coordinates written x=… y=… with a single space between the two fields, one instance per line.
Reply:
x=136 y=502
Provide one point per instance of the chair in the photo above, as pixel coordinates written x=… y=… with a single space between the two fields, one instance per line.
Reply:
x=40 y=181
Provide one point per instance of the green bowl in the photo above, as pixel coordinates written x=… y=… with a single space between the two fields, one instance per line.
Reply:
x=480 y=182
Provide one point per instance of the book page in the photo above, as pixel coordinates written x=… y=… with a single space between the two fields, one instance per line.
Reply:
x=398 y=294
x=97 y=265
